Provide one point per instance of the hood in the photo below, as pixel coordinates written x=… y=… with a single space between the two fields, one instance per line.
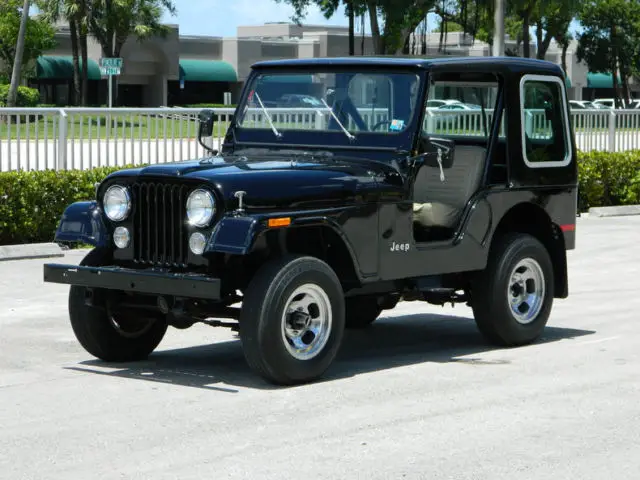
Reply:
x=280 y=182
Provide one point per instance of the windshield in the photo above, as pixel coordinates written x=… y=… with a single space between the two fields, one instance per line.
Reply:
x=352 y=105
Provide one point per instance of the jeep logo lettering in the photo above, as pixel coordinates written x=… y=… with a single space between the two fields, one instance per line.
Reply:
x=399 y=247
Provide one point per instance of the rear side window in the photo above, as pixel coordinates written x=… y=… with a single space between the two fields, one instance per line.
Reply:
x=545 y=129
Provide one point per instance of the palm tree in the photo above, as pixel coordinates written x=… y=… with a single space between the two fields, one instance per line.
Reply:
x=77 y=13
x=17 y=63
x=113 y=22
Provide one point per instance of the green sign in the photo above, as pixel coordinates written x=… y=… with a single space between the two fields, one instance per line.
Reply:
x=109 y=71
x=111 y=62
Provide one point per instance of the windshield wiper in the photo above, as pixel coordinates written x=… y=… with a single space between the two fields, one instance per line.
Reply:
x=264 y=110
x=349 y=135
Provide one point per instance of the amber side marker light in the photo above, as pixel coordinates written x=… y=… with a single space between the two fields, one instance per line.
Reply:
x=279 y=222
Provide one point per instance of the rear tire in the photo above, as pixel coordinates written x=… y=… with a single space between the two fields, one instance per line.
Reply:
x=512 y=298
x=292 y=320
x=112 y=338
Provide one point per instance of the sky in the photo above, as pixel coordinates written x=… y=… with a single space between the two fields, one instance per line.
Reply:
x=219 y=18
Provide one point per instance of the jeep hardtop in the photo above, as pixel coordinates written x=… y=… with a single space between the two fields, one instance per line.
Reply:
x=315 y=216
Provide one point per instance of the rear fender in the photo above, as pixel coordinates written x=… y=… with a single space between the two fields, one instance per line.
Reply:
x=82 y=222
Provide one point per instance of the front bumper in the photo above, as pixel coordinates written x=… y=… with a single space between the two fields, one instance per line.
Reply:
x=140 y=281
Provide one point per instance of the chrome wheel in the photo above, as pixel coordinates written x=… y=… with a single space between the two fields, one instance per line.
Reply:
x=526 y=291
x=306 y=321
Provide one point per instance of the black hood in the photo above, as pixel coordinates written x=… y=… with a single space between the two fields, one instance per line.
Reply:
x=276 y=182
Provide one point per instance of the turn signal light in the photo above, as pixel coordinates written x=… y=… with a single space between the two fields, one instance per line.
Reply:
x=279 y=222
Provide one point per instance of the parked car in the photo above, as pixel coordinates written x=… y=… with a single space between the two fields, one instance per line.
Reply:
x=634 y=104
x=437 y=103
x=294 y=235
x=585 y=105
x=610 y=103
x=300 y=101
x=446 y=118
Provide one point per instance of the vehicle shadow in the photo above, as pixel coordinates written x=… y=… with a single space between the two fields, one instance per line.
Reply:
x=392 y=341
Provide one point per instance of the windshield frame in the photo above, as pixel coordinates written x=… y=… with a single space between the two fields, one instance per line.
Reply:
x=331 y=139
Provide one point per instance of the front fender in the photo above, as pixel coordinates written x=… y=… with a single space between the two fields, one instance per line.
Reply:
x=82 y=222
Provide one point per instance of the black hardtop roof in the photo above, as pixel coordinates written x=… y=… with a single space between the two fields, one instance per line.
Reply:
x=495 y=64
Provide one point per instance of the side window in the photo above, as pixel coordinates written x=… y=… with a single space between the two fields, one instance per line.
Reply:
x=461 y=109
x=545 y=136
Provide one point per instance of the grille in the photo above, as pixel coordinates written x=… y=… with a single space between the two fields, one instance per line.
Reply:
x=159 y=230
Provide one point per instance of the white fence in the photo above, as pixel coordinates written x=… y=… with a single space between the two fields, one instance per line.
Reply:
x=81 y=138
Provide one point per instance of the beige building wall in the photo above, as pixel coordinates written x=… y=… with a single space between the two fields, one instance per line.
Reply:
x=201 y=48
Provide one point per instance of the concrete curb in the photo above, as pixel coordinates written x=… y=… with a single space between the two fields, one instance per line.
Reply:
x=29 y=251
x=618 y=211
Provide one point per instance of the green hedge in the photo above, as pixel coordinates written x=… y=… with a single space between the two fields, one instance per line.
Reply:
x=31 y=203
x=26 y=97
x=608 y=179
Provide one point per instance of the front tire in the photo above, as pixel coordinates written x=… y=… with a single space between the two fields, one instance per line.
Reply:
x=513 y=296
x=292 y=320
x=120 y=337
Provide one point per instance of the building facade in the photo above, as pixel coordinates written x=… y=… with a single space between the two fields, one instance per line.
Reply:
x=193 y=70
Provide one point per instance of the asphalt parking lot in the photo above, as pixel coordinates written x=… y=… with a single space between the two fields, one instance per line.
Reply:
x=417 y=396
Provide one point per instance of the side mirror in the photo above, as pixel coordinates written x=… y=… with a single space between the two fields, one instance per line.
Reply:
x=205 y=129
x=206 y=123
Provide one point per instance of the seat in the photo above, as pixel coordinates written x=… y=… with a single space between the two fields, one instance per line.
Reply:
x=439 y=203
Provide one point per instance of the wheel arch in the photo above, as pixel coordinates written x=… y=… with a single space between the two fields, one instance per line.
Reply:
x=321 y=240
x=532 y=219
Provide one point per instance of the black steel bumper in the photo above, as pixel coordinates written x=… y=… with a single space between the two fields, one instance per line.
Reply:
x=141 y=281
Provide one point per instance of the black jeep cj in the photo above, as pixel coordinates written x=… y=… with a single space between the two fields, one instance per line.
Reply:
x=449 y=180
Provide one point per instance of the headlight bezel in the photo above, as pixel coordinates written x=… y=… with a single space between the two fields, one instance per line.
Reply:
x=205 y=221
x=127 y=196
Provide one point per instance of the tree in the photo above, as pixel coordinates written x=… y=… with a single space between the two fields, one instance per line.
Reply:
x=39 y=37
x=552 y=21
x=113 y=22
x=77 y=13
x=564 y=40
x=610 y=42
x=525 y=10
x=17 y=62
x=400 y=18
x=352 y=8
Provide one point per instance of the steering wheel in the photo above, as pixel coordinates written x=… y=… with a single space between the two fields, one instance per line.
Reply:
x=375 y=127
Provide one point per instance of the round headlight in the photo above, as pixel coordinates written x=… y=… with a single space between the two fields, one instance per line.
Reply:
x=117 y=203
x=197 y=243
x=201 y=207
x=121 y=237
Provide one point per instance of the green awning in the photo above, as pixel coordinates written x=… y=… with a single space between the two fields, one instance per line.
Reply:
x=61 y=68
x=600 y=80
x=207 y=71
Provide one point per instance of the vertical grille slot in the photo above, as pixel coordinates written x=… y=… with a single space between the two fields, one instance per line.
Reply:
x=158 y=223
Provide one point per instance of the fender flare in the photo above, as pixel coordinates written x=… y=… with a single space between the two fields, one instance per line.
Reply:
x=82 y=222
x=237 y=235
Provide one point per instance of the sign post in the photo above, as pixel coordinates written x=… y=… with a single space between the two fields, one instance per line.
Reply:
x=110 y=67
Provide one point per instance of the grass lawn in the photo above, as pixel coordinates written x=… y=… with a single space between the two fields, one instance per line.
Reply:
x=96 y=126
